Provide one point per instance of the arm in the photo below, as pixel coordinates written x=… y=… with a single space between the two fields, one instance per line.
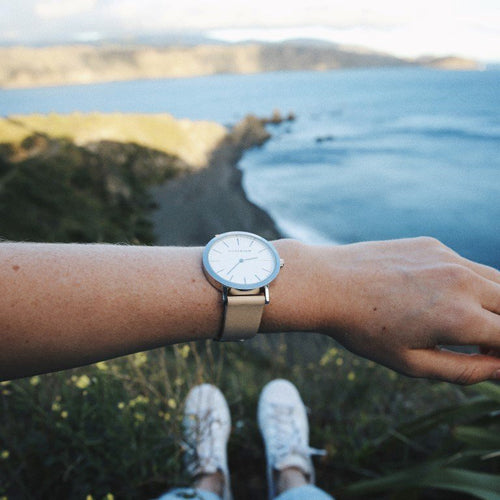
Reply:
x=394 y=302
x=65 y=305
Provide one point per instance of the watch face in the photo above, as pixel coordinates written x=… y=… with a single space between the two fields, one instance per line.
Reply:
x=241 y=260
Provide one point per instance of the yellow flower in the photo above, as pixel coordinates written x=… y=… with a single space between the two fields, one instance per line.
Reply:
x=56 y=407
x=184 y=350
x=172 y=404
x=35 y=380
x=140 y=417
x=109 y=496
x=324 y=360
x=102 y=365
x=121 y=405
x=5 y=454
x=140 y=399
x=64 y=414
x=339 y=362
x=351 y=376
x=82 y=382
x=140 y=358
x=328 y=356
x=89 y=497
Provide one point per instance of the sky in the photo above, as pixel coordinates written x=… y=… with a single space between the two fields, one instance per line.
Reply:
x=438 y=27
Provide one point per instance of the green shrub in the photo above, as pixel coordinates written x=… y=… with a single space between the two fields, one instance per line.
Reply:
x=74 y=194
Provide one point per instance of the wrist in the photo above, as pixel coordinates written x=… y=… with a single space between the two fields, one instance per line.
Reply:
x=293 y=304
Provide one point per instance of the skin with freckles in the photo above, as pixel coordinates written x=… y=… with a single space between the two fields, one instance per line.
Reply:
x=395 y=302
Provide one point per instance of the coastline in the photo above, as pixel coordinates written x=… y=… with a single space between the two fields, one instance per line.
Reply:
x=80 y=64
x=149 y=179
x=194 y=207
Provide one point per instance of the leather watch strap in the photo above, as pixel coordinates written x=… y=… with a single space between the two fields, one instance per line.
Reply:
x=242 y=314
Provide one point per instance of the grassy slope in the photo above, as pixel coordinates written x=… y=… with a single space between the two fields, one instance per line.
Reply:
x=190 y=141
x=86 y=177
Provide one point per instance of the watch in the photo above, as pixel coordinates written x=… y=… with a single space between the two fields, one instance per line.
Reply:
x=241 y=265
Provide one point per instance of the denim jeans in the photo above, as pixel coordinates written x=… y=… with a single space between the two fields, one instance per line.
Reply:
x=308 y=492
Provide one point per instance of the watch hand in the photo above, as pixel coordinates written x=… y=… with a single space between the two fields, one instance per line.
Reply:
x=237 y=263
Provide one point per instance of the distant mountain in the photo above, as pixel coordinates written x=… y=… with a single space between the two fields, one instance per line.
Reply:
x=91 y=63
x=449 y=62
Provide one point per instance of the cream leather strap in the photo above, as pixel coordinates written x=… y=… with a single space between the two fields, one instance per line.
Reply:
x=242 y=314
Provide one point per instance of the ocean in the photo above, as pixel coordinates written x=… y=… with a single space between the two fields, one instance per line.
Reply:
x=372 y=154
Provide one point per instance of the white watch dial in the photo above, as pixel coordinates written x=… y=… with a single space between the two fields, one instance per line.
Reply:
x=241 y=260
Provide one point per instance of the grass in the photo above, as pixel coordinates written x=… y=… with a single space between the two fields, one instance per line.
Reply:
x=113 y=430
x=188 y=140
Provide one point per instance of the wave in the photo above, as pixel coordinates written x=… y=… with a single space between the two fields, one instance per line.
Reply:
x=445 y=127
x=301 y=232
x=455 y=133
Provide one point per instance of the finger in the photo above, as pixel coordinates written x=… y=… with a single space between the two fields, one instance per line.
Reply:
x=488 y=351
x=487 y=331
x=470 y=325
x=453 y=367
x=489 y=294
x=487 y=272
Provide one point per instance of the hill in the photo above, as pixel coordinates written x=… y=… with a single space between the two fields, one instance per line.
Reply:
x=190 y=141
x=90 y=177
x=80 y=64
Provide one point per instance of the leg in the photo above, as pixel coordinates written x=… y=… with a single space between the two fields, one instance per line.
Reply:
x=285 y=429
x=307 y=492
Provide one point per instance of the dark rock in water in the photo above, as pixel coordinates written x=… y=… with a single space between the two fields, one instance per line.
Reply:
x=324 y=138
x=196 y=206
x=277 y=118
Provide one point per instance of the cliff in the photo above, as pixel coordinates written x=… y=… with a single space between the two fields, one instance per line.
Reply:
x=62 y=180
x=192 y=209
x=80 y=64
x=190 y=141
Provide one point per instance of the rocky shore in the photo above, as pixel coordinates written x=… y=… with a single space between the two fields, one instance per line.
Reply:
x=193 y=208
x=126 y=178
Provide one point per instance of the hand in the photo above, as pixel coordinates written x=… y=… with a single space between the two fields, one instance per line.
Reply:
x=398 y=302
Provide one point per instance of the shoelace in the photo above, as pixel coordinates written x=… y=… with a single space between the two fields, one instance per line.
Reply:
x=285 y=436
x=202 y=450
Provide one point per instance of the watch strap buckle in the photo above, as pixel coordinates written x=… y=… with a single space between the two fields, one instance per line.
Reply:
x=242 y=313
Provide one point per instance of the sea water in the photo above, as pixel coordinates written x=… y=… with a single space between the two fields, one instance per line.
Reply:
x=372 y=154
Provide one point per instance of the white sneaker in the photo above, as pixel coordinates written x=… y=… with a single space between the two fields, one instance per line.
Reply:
x=283 y=423
x=207 y=424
